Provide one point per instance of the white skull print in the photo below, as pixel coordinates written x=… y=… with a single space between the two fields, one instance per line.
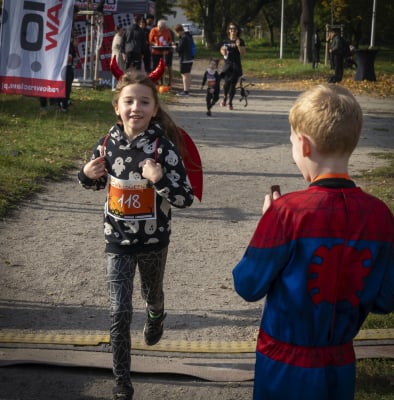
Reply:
x=171 y=158
x=135 y=175
x=174 y=177
x=107 y=229
x=179 y=200
x=133 y=226
x=152 y=241
x=150 y=226
x=149 y=148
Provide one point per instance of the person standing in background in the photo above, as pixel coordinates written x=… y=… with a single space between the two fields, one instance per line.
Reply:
x=63 y=103
x=116 y=51
x=185 y=51
x=161 y=36
x=316 y=45
x=232 y=49
x=150 y=22
x=132 y=45
x=169 y=56
x=146 y=51
x=337 y=48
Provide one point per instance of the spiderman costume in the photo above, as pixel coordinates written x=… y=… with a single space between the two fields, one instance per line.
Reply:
x=323 y=257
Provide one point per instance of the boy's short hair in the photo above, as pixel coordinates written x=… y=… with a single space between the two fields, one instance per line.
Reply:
x=331 y=116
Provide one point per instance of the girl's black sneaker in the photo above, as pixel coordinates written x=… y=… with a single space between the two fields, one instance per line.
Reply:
x=153 y=329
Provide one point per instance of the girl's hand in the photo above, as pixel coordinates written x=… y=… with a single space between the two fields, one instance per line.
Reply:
x=95 y=169
x=152 y=170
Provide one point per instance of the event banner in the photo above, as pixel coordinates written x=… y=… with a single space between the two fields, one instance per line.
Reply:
x=108 y=5
x=34 y=45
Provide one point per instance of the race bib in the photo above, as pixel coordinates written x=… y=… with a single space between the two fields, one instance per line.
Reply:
x=130 y=199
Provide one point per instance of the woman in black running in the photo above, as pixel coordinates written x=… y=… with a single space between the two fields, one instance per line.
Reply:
x=232 y=49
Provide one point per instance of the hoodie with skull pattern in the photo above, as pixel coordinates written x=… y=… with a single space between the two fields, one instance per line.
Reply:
x=129 y=224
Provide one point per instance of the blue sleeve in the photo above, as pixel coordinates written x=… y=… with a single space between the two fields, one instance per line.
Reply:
x=384 y=302
x=257 y=270
x=263 y=260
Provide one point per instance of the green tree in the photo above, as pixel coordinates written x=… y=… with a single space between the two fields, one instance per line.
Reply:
x=301 y=18
x=164 y=8
x=215 y=15
x=356 y=17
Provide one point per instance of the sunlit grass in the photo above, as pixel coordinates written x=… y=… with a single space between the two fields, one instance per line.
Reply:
x=262 y=63
x=35 y=148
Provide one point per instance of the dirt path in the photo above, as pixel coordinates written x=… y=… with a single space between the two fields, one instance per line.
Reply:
x=51 y=254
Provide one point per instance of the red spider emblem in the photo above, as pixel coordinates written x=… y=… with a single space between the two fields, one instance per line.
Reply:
x=332 y=280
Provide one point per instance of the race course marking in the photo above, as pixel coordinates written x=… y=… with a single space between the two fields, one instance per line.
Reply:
x=181 y=346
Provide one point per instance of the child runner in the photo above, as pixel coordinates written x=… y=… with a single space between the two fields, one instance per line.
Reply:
x=139 y=161
x=323 y=257
x=212 y=78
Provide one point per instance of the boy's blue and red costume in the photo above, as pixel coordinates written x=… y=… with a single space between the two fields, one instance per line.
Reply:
x=324 y=259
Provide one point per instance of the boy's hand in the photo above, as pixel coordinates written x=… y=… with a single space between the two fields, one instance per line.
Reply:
x=275 y=194
x=95 y=169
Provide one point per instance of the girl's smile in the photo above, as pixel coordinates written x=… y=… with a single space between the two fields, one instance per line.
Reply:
x=136 y=107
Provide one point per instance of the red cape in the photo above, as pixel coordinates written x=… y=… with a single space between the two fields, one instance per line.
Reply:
x=193 y=164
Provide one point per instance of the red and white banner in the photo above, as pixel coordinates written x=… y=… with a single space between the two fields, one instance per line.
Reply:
x=34 y=45
x=108 y=6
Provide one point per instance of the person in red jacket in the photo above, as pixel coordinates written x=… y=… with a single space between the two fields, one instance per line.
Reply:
x=161 y=41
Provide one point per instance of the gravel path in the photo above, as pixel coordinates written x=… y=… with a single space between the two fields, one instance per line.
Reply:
x=51 y=254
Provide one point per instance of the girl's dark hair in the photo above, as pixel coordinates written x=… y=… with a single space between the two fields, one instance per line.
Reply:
x=236 y=25
x=162 y=118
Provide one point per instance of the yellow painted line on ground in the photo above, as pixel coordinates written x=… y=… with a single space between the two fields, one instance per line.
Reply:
x=180 y=346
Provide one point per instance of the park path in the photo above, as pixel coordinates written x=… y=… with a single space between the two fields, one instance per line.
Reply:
x=51 y=253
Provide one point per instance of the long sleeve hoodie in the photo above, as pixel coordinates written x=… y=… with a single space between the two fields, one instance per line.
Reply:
x=124 y=160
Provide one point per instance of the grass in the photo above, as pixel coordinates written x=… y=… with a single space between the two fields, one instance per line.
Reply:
x=262 y=63
x=35 y=149
x=375 y=379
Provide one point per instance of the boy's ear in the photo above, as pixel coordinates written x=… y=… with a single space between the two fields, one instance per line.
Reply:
x=306 y=145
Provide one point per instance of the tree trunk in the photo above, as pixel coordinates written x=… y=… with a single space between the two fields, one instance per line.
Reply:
x=307 y=25
x=209 y=24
